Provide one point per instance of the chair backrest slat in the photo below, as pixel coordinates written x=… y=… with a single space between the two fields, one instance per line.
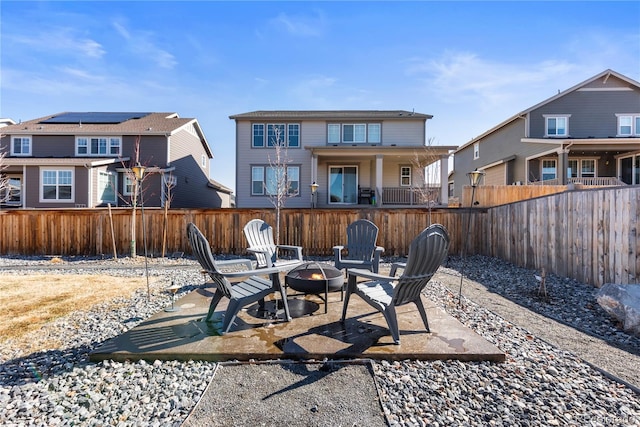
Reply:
x=362 y=235
x=426 y=253
x=259 y=236
x=202 y=251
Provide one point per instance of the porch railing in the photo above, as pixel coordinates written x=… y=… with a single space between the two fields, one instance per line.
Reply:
x=410 y=195
x=602 y=181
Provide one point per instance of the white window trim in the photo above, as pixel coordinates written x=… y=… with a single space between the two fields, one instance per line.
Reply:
x=115 y=187
x=264 y=169
x=57 y=200
x=28 y=137
x=203 y=161
x=108 y=153
x=128 y=182
x=403 y=176
x=476 y=150
x=635 y=131
x=549 y=159
x=556 y=116
x=284 y=136
x=340 y=133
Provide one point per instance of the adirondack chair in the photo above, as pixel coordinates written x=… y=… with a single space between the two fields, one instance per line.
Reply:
x=384 y=293
x=397 y=265
x=259 y=235
x=252 y=289
x=361 y=249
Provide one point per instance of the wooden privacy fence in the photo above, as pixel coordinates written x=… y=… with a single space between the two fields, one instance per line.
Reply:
x=89 y=231
x=589 y=235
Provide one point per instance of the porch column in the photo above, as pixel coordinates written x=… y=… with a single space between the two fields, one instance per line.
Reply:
x=378 y=194
x=444 y=180
x=563 y=164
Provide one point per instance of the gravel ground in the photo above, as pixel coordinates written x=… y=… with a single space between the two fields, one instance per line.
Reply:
x=544 y=381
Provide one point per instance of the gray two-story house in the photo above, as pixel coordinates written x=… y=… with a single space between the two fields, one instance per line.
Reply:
x=340 y=158
x=588 y=134
x=73 y=160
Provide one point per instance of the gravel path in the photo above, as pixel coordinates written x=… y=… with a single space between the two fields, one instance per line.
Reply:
x=545 y=380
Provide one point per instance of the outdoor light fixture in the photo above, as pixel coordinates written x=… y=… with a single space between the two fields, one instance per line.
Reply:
x=474 y=180
x=314 y=188
x=138 y=171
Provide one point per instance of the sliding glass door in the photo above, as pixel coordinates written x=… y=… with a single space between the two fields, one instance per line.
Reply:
x=343 y=184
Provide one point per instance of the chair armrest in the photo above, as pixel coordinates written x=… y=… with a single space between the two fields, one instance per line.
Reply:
x=361 y=272
x=231 y=262
x=296 y=249
x=257 y=272
x=395 y=266
x=337 y=252
x=265 y=253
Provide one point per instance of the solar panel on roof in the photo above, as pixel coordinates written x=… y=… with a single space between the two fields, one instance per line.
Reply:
x=94 y=118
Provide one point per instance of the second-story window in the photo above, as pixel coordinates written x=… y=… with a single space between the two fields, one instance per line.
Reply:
x=628 y=124
x=98 y=146
x=556 y=126
x=353 y=133
x=268 y=134
x=476 y=150
x=21 y=146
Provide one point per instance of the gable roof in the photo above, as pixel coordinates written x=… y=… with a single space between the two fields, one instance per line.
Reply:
x=331 y=115
x=108 y=123
x=605 y=74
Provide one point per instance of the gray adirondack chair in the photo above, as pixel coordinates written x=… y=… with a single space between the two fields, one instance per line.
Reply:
x=384 y=293
x=259 y=235
x=252 y=289
x=361 y=248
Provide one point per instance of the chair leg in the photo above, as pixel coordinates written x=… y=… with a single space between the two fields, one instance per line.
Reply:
x=423 y=313
x=351 y=285
x=390 y=315
x=217 y=296
x=230 y=315
x=275 y=279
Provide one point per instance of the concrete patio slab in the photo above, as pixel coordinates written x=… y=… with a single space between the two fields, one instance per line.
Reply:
x=312 y=334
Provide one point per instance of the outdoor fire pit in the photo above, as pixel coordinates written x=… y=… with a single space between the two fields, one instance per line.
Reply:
x=315 y=278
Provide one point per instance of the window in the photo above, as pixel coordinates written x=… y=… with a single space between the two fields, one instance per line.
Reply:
x=203 y=161
x=57 y=185
x=374 y=133
x=628 y=124
x=588 y=168
x=11 y=195
x=557 y=125
x=129 y=186
x=476 y=150
x=98 y=146
x=333 y=133
x=405 y=176
x=264 y=180
x=293 y=135
x=106 y=187
x=275 y=135
x=548 y=169
x=258 y=135
x=288 y=134
x=21 y=146
x=353 y=133
x=572 y=171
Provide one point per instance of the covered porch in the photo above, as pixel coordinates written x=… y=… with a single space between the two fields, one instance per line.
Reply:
x=379 y=175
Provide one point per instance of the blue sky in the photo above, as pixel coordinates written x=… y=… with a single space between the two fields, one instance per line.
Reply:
x=469 y=64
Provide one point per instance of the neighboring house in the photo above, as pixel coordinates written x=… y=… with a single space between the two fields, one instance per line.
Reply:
x=75 y=159
x=588 y=134
x=353 y=157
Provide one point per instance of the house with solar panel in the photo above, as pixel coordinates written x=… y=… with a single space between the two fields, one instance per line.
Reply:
x=78 y=160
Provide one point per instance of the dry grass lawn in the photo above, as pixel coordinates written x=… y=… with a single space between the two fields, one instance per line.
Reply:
x=30 y=302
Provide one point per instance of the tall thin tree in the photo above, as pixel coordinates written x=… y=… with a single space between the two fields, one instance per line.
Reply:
x=279 y=183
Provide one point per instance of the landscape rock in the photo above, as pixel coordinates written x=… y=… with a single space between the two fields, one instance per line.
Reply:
x=623 y=303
